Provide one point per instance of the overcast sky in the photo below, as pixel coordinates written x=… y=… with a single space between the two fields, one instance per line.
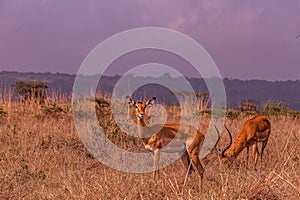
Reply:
x=246 y=39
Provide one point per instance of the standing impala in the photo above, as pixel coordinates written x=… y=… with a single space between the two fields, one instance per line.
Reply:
x=255 y=130
x=183 y=139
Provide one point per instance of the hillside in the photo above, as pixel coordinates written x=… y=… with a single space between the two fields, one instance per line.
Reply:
x=238 y=91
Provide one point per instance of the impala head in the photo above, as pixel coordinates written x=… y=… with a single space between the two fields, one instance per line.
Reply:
x=140 y=107
x=225 y=159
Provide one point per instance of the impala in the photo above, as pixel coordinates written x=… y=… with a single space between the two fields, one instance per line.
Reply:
x=184 y=139
x=255 y=130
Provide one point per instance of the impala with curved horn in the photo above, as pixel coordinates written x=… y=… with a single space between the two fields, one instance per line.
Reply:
x=255 y=130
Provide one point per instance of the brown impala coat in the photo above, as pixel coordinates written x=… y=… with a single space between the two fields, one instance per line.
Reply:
x=255 y=130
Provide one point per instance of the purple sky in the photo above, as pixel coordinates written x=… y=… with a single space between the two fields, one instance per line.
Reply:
x=247 y=39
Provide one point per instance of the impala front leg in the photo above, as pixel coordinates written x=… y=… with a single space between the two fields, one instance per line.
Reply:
x=247 y=157
x=263 y=146
x=155 y=164
x=255 y=154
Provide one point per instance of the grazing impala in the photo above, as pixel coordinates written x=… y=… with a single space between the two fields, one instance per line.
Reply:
x=183 y=139
x=255 y=130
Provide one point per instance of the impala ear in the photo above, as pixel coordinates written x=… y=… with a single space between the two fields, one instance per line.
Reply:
x=150 y=102
x=131 y=102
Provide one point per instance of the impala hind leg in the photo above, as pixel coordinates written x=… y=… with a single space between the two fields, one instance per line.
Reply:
x=156 y=156
x=197 y=165
x=263 y=146
x=193 y=152
x=185 y=158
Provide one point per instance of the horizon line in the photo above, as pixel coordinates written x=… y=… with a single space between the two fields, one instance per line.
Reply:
x=137 y=76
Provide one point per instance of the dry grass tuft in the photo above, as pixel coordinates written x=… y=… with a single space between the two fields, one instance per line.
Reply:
x=264 y=191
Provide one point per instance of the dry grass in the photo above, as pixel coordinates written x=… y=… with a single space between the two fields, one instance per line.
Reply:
x=42 y=157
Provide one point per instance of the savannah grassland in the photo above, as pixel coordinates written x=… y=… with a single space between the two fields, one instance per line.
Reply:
x=42 y=157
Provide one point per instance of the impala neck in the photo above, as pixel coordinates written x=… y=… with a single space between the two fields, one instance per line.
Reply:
x=237 y=146
x=141 y=130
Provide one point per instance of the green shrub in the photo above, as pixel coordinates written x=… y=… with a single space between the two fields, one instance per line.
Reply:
x=232 y=114
x=274 y=108
x=293 y=114
x=248 y=108
x=206 y=111
x=101 y=102
x=53 y=109
x=31 y=90
x=2 y=113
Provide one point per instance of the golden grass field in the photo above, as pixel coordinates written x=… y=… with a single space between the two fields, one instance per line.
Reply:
x=42 y=157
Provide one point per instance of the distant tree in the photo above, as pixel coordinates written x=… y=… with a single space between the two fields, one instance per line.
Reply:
x=32 y=90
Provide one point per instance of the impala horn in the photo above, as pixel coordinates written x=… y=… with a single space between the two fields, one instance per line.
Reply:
x=230 y=136
x=215 y=147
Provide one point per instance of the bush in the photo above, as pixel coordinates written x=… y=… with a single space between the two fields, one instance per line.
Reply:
x=100 y=102
x=232 y=114
x=248 y=108
x=206 y=111
x=2 y=113
x=53 y=109
x=31 y=90
x=293 y=114
x=273 y=109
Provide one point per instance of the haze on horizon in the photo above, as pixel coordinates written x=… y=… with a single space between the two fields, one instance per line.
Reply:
x=246 y=39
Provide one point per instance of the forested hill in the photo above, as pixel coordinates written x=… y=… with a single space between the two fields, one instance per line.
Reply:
x=237 y=91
